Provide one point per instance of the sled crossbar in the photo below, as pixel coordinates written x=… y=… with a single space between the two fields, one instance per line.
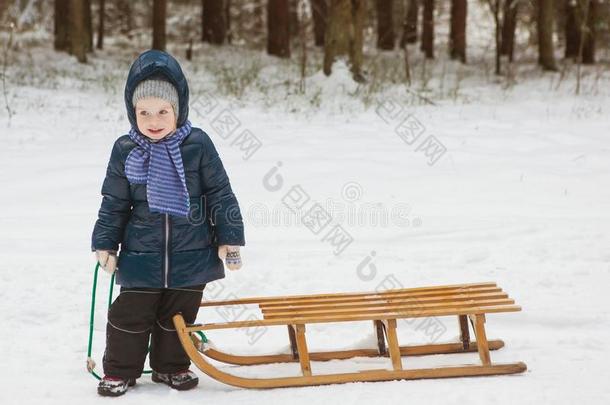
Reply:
x=469 y=303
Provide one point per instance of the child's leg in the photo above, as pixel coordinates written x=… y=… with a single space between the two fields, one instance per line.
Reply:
x=130 y=320
x=166 y=352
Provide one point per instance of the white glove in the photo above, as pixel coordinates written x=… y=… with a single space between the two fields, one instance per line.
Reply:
x=230 y=254
x=107 y=260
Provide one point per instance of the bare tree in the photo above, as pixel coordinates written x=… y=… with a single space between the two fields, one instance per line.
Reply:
x=88 y=25
x=457 y=36
x=159 y=16
x=409 y=28
x=385 y=26
x=278 y=28
x=227 y=15
x=344 y=35
x=214 y=21
x=78 y=33
x=100 y=26
x=62 y=25
x=319 y=10
x=588 y=11
x=546 y=56
x=427 y=40
x=572 y=29
x=293 y=20
x=509 y=24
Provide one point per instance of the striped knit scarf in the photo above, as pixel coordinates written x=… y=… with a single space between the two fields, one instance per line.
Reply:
x=159 y=166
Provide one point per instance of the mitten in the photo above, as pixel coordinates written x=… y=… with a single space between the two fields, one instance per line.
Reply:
x=230 y=254
x=107 y=260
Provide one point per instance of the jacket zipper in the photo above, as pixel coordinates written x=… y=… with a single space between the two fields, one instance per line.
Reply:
x=166 y=247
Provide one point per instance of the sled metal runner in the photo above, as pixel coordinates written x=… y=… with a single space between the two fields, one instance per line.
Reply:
x=470 y=303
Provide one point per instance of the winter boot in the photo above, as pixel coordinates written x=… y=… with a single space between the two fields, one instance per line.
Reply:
x=110 y=386
x=181 y=381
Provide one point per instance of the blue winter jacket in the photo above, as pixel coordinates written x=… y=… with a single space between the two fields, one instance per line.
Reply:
x=162 y=250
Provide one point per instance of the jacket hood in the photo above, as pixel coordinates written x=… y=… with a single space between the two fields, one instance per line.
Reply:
x=157 y=64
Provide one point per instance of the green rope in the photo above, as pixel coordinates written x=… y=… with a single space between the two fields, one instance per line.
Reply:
x=90 y=362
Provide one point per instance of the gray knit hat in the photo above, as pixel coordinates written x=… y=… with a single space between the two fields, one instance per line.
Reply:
x=157 y=88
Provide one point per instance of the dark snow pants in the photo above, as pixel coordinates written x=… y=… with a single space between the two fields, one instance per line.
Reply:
x=138 y=314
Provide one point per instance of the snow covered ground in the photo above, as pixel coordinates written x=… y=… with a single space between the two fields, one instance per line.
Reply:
x=519 y=196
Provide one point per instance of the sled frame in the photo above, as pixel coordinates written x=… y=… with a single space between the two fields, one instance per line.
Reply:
x=467 y=302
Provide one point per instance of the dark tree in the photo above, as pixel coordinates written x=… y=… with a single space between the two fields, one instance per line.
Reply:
x=546 y=57
x=509 y=24
x=293 y=23
x=427 y=40
x=100 y=26
x=572 y=29
x=78 y=32
x=278 y=28
x=319 y=10
x=385 y=26
x=159 y=16
x=457 y=36
x=588 y=29
x=88 y=25
x=409 y=28
x=214 y=22
x=228 y=21
x=62 y=25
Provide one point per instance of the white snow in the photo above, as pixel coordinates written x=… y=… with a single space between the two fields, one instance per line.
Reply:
x=520 y=197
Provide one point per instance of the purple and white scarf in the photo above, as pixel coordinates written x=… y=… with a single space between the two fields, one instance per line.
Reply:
x=159 y=166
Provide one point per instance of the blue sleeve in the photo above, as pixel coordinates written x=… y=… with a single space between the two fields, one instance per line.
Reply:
x=116 y=205
x=221 y=204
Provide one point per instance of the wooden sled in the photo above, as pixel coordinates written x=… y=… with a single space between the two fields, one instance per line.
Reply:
x=468 y=302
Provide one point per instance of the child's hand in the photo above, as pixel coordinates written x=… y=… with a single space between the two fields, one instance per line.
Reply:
x=232 y=256
x=107 y=260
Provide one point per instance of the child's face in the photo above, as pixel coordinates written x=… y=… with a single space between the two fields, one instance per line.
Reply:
x=155 y=117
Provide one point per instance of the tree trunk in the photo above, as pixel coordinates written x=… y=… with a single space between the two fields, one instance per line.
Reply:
x=357 y=40
x=293 y=21
x=100 y=27
x=320 y=13
x=78 y=33
x=88 y=25
x=409 y=31
x=385 y=25
x=457 y=36
x=495 y=8
x=509 y=24
x=278 y=28
x=228 y=21
x=572 y=29
x=427 y=40
x=588 y=36
x=62 y=25
x=214 y=24
x=159 y=14
x=546 y=57
x=344 y=35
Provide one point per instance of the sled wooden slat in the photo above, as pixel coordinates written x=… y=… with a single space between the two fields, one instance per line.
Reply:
x=464 y=302
x=375 y=302
x=383 y=309
x=386 y=296
x=290 y=298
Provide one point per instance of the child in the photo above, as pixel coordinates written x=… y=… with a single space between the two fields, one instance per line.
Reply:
x=168 y=202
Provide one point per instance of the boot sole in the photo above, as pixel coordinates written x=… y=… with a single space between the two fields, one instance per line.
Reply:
x=182 y=387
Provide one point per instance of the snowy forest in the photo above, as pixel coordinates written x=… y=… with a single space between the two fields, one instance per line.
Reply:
x=418 y=191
